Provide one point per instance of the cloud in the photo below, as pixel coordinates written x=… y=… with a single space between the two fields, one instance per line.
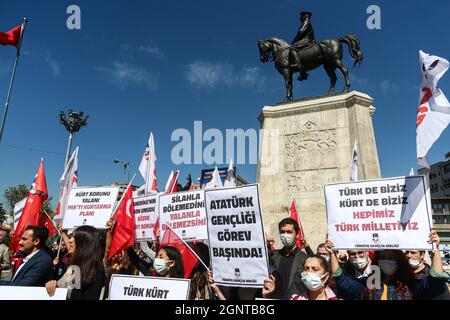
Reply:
x=123 y=74
x=364 y=83
x=210 y=75
x=387 y=86
x=54 y=66
x=148 y=48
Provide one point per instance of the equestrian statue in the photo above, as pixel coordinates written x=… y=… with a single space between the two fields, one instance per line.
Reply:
x=304 y=54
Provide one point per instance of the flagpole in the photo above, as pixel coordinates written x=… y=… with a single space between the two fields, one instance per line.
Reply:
x=189 y=247
x=13 y=76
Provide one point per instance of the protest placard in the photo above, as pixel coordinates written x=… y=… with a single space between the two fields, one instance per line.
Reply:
x=123 y=287
x=185 y=213
x=30 y=293
x=91 y=206
x=236 y=236
x=145 y=216
x=393 y=213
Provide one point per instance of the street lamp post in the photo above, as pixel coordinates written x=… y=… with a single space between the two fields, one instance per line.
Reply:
x=73 y=122
x=125 y=166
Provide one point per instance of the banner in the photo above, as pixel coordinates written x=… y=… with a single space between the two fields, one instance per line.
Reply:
x=18 y=208
x=236 y=236
x=145 y=216
x=123 y=287
x=30 y=293
x=185 y=213
x=91 y=206
x=392 y=213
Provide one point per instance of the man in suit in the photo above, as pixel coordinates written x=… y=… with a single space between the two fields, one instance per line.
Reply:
x=36 y=267
x=288 y=260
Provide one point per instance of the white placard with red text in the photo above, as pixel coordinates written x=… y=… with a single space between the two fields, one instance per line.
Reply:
x=145 y=216
x=393 y=213
x=90 y=206
x=185 y=213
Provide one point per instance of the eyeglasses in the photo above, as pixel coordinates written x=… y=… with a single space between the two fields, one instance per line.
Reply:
x=354 y=253
x=411 y=252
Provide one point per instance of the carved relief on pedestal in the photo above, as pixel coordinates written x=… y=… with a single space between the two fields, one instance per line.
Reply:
x=309 y=183
x=310 y=141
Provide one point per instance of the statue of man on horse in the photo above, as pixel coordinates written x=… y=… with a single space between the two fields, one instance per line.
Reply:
x=304 y=55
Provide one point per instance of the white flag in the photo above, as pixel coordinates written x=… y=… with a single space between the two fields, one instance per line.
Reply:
x=68 y=180
x=411 y=172
x=147 y=168
x=230 y=181
x=354 y=165
x=18 y=208
x=171 y=184
x=433 y=115
x=216 y=182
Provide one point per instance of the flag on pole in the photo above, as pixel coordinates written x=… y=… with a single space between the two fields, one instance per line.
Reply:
x=147 y=168
x=11 y=37
x=123 y=230
x=354 y=164
x=230 y=180
x=68 y=180
x=172 y=185
x=215 y=182
x=433 y=115
x=18 y=208
x=411 y=172
x=156 y=230
x=294 y=215
x=30 y=214
x=190 y=259
x=46 y=222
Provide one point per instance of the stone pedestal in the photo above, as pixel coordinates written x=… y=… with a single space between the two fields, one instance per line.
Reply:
x=306 y=144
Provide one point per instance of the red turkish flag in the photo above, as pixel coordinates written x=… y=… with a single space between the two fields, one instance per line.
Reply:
x=123 y=231
x=30 y=214
x=190 y=260
x=156 y=229
x=11 y=37
x=44 y=221
x=294 y=215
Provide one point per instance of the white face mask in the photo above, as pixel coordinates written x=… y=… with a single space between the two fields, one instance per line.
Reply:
x=312 y=281
x=415 y=263
x=326 y=257
x=359 y=263
x=160 y=266
x=287 y=239
x=388 y=266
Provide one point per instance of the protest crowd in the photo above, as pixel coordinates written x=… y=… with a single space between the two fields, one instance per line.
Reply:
x=296 y=271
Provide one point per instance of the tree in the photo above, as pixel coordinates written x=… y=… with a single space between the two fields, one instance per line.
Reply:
x=19 y=192
x=2 y=214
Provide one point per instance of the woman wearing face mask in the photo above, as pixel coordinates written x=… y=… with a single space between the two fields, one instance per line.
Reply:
x=430 y=282
x=396 y=281
x=315 y=277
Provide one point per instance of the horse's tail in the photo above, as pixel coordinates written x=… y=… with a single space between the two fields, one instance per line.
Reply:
x=353 y=45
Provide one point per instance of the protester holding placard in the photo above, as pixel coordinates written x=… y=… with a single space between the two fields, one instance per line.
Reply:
x=315 y=278
x=396 y=280
x=200 y=288
x=430 y=280
x=87 y=252
x=358 y=268
x=290 y=258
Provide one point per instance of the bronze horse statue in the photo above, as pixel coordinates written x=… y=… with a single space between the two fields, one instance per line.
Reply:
x=328 y=53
